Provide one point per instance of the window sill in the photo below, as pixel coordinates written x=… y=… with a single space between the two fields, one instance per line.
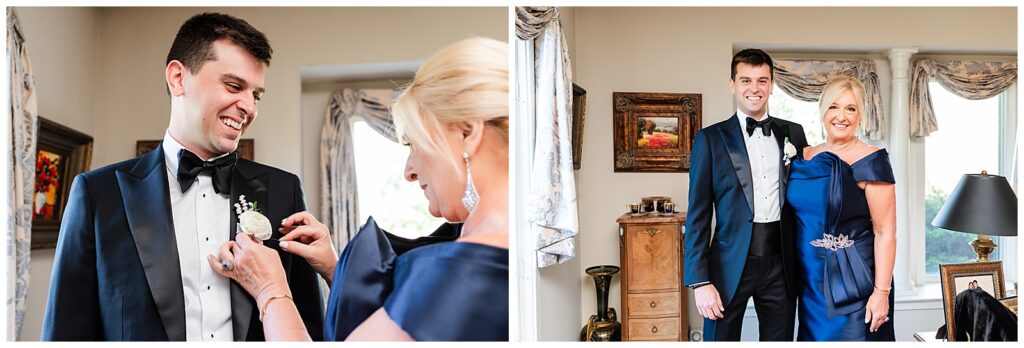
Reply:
x=927 y=296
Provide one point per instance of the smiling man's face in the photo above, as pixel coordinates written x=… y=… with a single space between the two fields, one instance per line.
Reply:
x=219 y=102
x=751 y=87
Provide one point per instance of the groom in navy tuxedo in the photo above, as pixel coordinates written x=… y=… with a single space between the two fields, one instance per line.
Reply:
x=131 y=257
x=738 y=172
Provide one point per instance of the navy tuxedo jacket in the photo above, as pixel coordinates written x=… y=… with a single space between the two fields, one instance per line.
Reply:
x=116 y=274
x=721 y=183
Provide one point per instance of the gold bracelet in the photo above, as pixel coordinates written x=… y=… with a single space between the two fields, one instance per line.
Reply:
x=885 y=290
x=263 y=312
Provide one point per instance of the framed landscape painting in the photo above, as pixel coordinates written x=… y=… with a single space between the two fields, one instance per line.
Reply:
x=654 y=132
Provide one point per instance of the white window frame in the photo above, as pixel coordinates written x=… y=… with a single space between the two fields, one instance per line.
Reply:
x=916 y=158
x=524 y=275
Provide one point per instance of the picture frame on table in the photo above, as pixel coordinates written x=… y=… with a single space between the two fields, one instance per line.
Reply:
x=61 y=154
x=654 y=132
x=958 y=277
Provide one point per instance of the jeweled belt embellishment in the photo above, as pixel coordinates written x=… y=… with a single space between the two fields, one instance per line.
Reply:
x=833 y=243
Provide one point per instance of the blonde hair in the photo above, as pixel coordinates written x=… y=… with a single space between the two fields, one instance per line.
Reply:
x=465 y=81
x=835 y=88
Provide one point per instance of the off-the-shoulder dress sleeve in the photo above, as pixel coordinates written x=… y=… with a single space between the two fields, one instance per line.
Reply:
x=874 y=167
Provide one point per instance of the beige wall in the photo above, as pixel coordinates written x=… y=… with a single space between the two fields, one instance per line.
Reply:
x=100 y=71
x=64 y=60
x=687 y=50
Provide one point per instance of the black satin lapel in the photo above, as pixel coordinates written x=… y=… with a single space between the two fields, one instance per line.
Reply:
x=241 y=302
x=148 y=209
x=783 y=180
x=241 y=311
x=780 y=133
x=254 y=187
x=733 y=140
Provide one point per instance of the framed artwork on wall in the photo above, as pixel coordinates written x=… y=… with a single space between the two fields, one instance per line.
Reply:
x=579 y=109
x=654 y=132
x=61 y=154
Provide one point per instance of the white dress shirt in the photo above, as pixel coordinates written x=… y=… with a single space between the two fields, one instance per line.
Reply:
x=201 y=223
x=764 y=155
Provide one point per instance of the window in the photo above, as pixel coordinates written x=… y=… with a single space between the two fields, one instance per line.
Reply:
x=786 y=107
x=397 y=205
x=970 y=139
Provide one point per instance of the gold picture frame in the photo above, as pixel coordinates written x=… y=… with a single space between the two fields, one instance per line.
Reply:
x=958 y=277
x=654 y=132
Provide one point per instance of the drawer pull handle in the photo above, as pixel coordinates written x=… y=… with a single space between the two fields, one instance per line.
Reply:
x=654 y=329
x=651 y=232
x=654 y=304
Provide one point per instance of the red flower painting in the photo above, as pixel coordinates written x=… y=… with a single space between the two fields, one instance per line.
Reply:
x=47 y=184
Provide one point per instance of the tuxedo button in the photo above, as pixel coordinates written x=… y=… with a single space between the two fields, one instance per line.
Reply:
x=750 y=220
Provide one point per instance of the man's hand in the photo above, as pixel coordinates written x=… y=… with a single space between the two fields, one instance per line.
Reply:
x=709 y=304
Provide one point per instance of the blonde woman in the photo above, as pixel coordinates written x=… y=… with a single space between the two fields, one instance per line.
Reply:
x=842 y=194
x=451 y=285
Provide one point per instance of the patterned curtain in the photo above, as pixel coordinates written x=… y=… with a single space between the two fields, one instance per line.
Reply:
x=805 y=79
x=338 y=191
x=973 y=80
x=552 y=208
x=19 y=201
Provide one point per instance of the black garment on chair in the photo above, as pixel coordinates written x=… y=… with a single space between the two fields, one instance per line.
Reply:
x=980 y=317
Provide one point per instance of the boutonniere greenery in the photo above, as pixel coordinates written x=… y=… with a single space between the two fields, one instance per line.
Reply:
x=251 y=221
x=788 y=150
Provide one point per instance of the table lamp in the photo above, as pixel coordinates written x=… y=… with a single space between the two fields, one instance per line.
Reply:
x=981 y=204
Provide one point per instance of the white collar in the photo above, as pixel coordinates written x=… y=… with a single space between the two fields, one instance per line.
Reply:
x=171 y=148
x=740 y=115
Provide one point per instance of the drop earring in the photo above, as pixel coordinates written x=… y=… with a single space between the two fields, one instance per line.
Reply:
x=469 y=198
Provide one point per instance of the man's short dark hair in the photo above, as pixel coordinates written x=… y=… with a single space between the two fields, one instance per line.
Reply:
x=754 y=57
x=193 y=45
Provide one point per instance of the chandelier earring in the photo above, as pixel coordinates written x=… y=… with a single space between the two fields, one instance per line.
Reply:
x=470 y=197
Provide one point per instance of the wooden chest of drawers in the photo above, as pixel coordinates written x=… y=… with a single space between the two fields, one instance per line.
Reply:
x=651 y=261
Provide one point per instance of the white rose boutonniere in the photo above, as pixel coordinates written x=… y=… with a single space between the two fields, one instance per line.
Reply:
x=788 y=150
x=251 y=221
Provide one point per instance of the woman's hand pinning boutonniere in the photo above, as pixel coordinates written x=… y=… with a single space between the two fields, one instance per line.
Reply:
x=251 y=221
x=788 y=150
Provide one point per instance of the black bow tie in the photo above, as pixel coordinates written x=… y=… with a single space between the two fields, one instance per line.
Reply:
x=765 y=124
x=190 y=166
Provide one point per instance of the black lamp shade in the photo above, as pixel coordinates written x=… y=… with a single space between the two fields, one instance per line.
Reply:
x=980 y=204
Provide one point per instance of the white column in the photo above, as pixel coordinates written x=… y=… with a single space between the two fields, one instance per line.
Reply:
x=909 y=171
x=523 y=301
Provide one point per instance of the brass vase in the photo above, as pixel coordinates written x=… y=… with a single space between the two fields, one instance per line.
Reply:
x=604 y=326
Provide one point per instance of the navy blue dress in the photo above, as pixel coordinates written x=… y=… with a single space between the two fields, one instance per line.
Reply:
x=835 y=246
x=434 y=288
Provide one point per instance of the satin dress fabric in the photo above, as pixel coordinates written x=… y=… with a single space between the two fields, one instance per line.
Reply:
x=434 y=288
x=835 y=246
